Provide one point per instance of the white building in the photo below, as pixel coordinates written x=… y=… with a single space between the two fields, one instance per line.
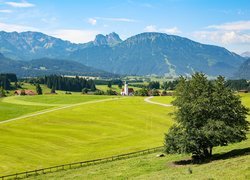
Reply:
x=126 y=91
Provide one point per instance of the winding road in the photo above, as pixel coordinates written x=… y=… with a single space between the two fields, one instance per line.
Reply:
x=152 y=102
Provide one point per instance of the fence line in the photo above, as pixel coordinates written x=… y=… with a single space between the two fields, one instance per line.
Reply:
x=51 y=169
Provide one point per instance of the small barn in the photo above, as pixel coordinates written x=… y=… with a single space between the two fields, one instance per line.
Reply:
x=25 y=92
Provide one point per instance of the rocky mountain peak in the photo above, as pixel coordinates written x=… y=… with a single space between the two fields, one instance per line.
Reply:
x=109 y=39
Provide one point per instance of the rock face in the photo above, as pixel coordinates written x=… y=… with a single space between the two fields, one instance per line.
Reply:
x=143 y=54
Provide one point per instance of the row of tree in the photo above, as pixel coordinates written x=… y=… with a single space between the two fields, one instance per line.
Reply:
x=68 y=84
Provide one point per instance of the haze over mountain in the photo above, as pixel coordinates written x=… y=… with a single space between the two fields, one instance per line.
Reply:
x=246 y=54
x=47 y=66
x=244 y=70
x=142 y=54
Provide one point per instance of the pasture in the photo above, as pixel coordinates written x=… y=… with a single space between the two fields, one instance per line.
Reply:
x=101 y=129
x=231 y=162
x=81 y=132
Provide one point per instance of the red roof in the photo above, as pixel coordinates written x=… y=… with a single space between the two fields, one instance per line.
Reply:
x=27 y=92
x=130 y=90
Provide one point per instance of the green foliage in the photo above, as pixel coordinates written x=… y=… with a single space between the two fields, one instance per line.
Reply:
x=154 y=85
x=109 y=84
x=10 y=76
x=5 y=83
x=53 y=90
x=208 y=115
x=141 y=92
x=68 y=84
x=85 y=91
x=169 y=85
x=2 y=92
x=154 y=92
x=39 y=89
x=111 y=92
x=120 y=85
x=99 y=92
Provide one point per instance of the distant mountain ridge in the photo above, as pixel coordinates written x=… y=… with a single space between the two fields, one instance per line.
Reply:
x=47 y=66
x=244 y=70
x=246 y=54
x=142 y=54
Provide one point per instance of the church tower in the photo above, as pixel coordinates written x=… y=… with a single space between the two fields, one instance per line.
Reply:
x=126 y=89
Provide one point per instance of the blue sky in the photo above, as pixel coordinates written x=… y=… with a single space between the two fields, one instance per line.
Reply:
x=220 y=22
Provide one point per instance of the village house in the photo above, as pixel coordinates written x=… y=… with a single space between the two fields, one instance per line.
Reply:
x=25 y=92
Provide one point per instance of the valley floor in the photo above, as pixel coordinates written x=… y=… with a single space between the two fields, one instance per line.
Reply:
x=94 y=130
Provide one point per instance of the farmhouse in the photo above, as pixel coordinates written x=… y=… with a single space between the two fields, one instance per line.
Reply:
x=126 y=91
x=25 y=92
x=243 y=91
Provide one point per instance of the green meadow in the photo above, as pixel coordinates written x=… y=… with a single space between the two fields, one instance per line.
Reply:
x=232 y=163
x=93 y=128
x=81 y=132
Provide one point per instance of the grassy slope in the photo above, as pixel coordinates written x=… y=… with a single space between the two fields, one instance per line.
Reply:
x=80 y=133
x=150 y=167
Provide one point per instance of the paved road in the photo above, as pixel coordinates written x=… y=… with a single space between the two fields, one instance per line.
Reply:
x=56 y=109
x=152 y=102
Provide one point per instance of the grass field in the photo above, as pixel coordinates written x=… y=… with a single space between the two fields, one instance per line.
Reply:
x=83 y=132
x=232 y=162
x=151 y=167
x=16 y=106
x=91 y=131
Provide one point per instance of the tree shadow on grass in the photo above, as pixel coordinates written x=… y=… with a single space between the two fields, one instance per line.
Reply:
x=221 y=156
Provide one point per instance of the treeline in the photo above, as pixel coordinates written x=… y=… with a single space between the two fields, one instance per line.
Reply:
x=107 y=82
x=67 y=84
x=6 y=79
x=168 y=85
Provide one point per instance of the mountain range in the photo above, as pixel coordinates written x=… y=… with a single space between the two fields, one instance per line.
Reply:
x=47 y=66
x=246 y=54
x=244 y=70
x=142 y=54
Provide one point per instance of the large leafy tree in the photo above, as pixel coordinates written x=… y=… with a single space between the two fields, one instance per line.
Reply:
x=207 y=115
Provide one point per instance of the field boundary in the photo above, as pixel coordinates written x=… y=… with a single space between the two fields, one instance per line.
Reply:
x=80 y=164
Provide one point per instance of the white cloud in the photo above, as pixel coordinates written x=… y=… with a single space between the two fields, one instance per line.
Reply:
x=153 y=28
x=222 y=37
x=150 y=28
x=75 y=35
x=16 y=27
x=232 y=26
x=5 y=11
x=173 y=30
x=22 y=4
x=92 y=21
x=116 y=19
x=226 y=33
